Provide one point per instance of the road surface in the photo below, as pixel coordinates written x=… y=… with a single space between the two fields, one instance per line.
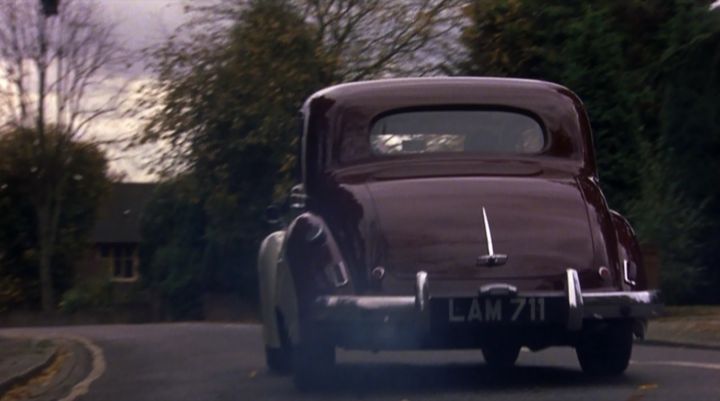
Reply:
x=212 y=361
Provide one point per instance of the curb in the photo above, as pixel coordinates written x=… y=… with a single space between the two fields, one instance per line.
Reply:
x=82 y=363
x=97 y=368
x=28 y=373
x=676 y=344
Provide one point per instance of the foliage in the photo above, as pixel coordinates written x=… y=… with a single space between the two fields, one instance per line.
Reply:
x=225 y=86
x=231 y=81
x=362 y=39
x=583 y=45
x=52 y=69
x=348 y=40
x=24 y=172
x=644 y=72
x=232 y=109
x=173 y=227
x=88 y=295
x=10 y=292
x=371 y=38
x=690 y=135
x=663 y=214
x=230 y=86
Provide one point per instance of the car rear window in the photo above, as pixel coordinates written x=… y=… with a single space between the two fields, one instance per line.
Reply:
x=456 y=131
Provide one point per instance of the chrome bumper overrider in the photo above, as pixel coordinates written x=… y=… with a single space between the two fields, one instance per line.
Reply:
x=580 y=305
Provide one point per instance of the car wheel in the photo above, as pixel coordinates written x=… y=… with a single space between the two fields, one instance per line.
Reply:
x=501 y=356
x=606 y=351
x=312 y=362
x=278 y=360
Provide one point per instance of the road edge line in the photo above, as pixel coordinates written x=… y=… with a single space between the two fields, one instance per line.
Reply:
x=677 y=344
x=98 y=368
x=680 y=364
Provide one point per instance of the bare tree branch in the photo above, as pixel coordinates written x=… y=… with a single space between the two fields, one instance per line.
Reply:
x=360 y=39
x=371 y=38
x=80 y=49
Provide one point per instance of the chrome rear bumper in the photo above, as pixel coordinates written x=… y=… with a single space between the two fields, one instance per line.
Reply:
x=581 y=305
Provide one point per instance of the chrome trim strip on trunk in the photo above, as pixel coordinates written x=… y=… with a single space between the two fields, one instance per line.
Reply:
x=491 y=259
x=488 y=236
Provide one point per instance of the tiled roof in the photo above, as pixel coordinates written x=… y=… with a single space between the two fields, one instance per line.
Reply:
x=120 y=213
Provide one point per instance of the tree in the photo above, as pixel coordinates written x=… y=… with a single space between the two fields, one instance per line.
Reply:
x=690 y=139
x=583 y=45
x=173 y=229
x=231 y=110
x=231 y=84
x=363 y=38
x=646 y=71
x=20 y=184
x=371 y=38
x=665 y=216
x=59 y=61
x=355 y=39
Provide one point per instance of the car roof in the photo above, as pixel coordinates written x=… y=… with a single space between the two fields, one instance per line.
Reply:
x=436 y=86
x=338 y=118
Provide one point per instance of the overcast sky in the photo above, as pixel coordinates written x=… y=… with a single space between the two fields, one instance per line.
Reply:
x=144 y=22
x=139 y=24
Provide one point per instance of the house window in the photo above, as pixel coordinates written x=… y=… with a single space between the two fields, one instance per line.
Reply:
x=121 y=260
x=124 y=262
x=104 y=251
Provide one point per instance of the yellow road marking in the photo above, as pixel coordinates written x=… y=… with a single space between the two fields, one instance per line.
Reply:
x=98 y=368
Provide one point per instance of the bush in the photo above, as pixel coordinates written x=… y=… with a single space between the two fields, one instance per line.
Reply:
x=11 y=292
x=92 y=295
x=664 y=217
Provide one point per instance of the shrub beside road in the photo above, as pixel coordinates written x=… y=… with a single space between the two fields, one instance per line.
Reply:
x=687 y=325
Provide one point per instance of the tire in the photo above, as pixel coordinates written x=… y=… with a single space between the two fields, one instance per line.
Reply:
x=312 y=363
x=278 y=360
x=606 y=351
x=500 y=357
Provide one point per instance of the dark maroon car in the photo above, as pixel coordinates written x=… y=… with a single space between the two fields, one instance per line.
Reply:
x=441 y=213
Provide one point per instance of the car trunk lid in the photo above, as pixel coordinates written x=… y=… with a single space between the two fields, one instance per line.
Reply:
x=439 y=225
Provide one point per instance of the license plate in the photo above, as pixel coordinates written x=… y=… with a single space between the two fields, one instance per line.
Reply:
x=496 y=310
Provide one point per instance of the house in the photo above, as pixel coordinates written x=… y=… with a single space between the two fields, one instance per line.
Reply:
x=113 y=257
x=115 y=239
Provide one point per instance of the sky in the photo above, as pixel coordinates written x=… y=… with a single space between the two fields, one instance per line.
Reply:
x=139 y=24
x=144 y=22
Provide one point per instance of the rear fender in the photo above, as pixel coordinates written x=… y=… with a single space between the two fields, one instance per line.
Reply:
x=268 y=258
x=314 y=261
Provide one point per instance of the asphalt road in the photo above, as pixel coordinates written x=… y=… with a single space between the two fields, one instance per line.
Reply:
x=205 y=361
